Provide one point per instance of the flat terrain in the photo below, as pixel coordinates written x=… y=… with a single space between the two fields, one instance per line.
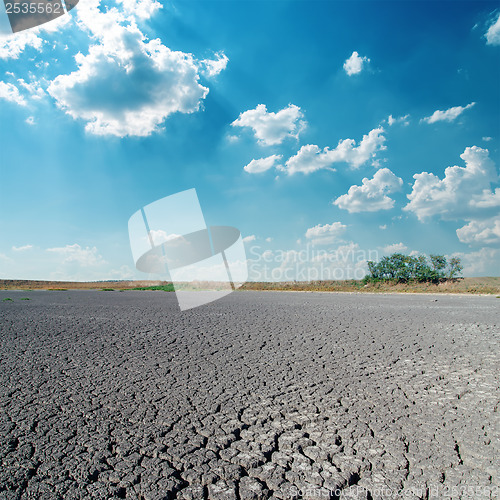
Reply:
x=483 y=285
x=259 y=395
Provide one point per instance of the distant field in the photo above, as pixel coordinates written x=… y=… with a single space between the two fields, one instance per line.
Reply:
x=73 y=285
x=488 y=285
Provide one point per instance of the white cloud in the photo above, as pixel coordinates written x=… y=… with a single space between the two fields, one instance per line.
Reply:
x=126 y=84
x=461 y=194
x=68 y=263
x=493 y=33
x=124 y=272
x=326 y=234
x=11 y=47
x=34 y=88
x=401 y=119
x=10 y=92
x=485 y=261
x=488 y=199
x=158 y=236
x=310 y=158
x=30 y=120
x=272 y=128
x=22 y=248
x=383 y=227
x=142 y=9
x=248 y=239
x=448 y=115
x=487 y=139
x=262 y=164
x=269 y=239
x=129 y=87
x=85 y=257
x=481 y=232
x=371 y=196
x=212 y=67
x=355 y=63
x=395 y=248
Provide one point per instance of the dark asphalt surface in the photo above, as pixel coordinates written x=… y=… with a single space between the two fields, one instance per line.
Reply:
x=259 y=395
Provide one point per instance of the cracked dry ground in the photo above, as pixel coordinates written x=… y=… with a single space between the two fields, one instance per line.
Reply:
x=260 y=395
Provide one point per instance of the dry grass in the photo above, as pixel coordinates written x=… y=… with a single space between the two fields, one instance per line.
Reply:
x=74 y=285
x=490 y=285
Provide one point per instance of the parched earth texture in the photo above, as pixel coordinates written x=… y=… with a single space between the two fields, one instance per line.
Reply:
x=258 y=395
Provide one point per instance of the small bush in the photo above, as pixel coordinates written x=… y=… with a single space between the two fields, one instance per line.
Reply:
x=164 y=288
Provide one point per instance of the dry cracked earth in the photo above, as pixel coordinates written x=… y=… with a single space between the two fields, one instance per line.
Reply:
x=259 y=395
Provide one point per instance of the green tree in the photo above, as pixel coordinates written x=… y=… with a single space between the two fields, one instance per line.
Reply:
x=454 y=268
x=438 y=263
x=405 y=268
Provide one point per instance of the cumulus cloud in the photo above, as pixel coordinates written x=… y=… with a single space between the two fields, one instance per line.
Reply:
x=481 y=232
x=395 y=248
x=262 y=164
x=461 y=194
x=127 y=85
x=448 y=115
x=85 y=257
x=485 y=261
x=212 y=67
x=33 y=88
x=391 y=120
x=272 y=128
x=142 y=9
x=22 y=248
x=248 y=239
x=371 y=196
x=159 y=236
x=310 y=158
x=326 y=234
x=11 y=47
x=355 y=64
x=124 y=272
x=493 y=33
x=19 y=94
x=10 y=92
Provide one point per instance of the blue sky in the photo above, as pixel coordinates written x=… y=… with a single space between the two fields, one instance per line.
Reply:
x=327 y=132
